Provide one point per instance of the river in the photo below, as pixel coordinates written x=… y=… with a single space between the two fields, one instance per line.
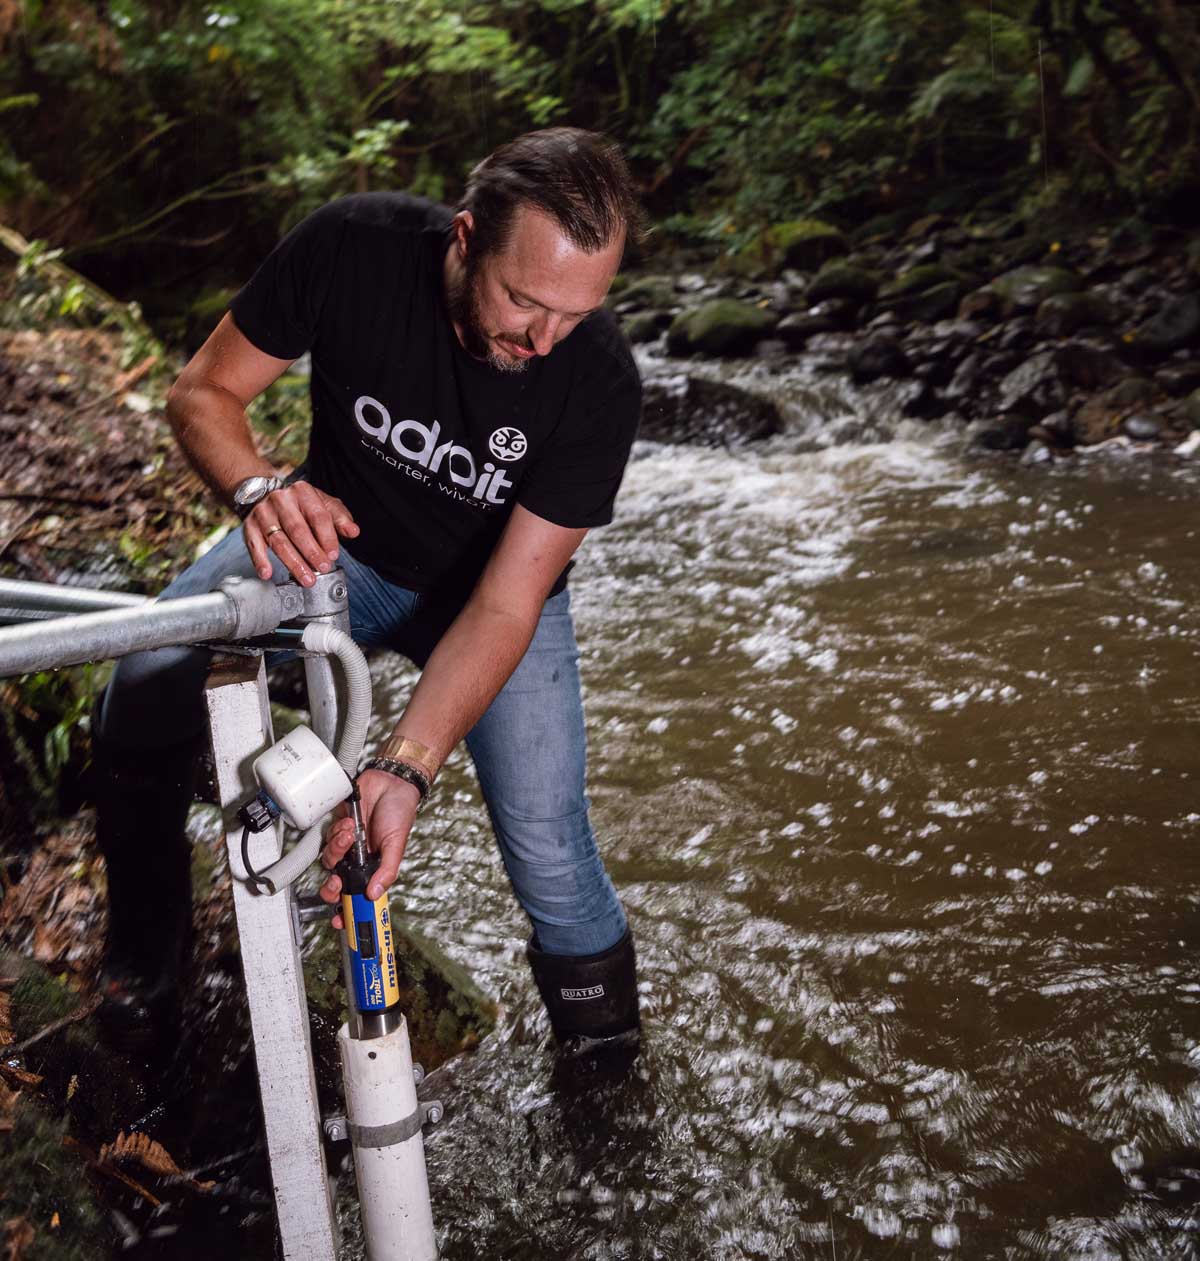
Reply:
x=894 y=763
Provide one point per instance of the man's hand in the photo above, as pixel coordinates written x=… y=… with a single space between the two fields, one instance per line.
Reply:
x=389 y=806
x=301 y=525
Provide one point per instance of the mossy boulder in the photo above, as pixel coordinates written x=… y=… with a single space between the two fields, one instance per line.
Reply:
x=843 y=280
x=806 y=244
x=927 y=306
x=1062 y=314
x=1028 y=287
x=721 y=327
x=921 y=279
x=645 y=326
x=648 y=291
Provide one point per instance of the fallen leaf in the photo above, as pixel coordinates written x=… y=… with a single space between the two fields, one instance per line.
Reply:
x=11 y=1073
x=141 y=1149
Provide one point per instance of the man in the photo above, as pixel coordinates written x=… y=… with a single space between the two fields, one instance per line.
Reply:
x=473 y=410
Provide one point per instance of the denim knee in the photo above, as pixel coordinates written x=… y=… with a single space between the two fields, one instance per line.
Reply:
x=560 y=881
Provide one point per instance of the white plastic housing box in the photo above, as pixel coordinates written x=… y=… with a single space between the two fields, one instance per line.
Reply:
x=302 y=777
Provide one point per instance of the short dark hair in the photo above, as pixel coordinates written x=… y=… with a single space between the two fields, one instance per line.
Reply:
x=579 y=178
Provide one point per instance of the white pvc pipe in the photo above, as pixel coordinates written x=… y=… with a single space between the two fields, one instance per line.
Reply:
x=321 y=637
x=393 y=1188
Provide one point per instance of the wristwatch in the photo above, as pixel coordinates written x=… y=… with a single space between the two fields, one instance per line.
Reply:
x=252 y=491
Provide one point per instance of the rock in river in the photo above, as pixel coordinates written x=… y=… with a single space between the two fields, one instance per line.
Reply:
x=1142 y=427
x=878 y=356
x=647 y=291
x=1029 y=287
x=807 y=243
x=722 y=327
x=686 y=409
x=843 y=280
x=1175 y=326
x=1033 y=386
x=1062 y=314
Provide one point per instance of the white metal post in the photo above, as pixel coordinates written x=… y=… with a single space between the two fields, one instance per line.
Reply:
x=240 y=728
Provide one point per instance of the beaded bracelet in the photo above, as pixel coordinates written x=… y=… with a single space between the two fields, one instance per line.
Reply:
x=401 y=770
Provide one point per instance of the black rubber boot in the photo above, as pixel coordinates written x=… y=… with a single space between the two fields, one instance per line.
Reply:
x=142 y=801
x=592 y=1000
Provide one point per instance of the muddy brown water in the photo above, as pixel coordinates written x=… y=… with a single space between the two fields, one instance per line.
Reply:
x=895 y=764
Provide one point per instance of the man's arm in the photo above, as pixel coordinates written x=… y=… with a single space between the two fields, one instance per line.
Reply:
x=467 y=669
x=207 y=411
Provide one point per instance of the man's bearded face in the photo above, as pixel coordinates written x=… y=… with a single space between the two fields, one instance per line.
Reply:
x=466 y=310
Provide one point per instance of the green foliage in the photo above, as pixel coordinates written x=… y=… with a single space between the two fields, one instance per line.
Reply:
x=44 y=723
x=192 y=133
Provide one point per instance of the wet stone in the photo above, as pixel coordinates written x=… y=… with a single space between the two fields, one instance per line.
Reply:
x=920 y=279
x=1191 y=410
x=1029 y=287
x=1173 y=327
x=687 y=409
x=1018 y=334
x=980 y=304
x=843 y=280
x=795 y=330
x=645 y=326
x=1033 y=385
x=649 y=291
x=1179 y=381
x=1130 y=392
x=878 y=356
x=1142 y=427
x=1086 y=366
x=1009 y=433
x=958 y=329
x=1065 y=313
x=930 y=305
x=965 y=381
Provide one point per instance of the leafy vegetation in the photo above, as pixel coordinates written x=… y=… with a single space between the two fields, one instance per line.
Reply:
x=164 y=146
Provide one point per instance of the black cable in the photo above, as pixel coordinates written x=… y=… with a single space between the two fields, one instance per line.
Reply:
x=257 y=883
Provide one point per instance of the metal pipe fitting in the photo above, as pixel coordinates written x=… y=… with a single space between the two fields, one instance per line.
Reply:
x=240 y=609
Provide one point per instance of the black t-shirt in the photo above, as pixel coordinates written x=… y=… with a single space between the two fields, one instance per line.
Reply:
x=429 y=448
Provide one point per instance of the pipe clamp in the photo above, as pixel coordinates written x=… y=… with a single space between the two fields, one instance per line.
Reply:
x=396 y=1131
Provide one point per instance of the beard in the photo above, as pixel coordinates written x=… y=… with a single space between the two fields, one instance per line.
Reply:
x=462 y=303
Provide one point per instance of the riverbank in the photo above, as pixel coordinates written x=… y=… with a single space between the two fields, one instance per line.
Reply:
x=109 y=1153
x=1036 y=339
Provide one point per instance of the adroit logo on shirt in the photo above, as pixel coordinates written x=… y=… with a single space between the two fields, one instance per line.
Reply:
x=508 y=443
x=446 y=464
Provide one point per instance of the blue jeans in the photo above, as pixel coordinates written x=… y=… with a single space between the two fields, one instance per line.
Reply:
x=529 y=748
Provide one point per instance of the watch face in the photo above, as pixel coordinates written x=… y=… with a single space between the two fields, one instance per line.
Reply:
x=252 y=490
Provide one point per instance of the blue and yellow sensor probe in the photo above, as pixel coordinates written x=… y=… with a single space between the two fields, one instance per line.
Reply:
x=367 y=925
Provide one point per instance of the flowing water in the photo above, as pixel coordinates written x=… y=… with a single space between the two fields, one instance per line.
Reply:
x=894 y=759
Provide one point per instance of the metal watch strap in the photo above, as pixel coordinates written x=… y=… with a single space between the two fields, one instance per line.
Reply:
x=401 y=770
x=270 y=486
